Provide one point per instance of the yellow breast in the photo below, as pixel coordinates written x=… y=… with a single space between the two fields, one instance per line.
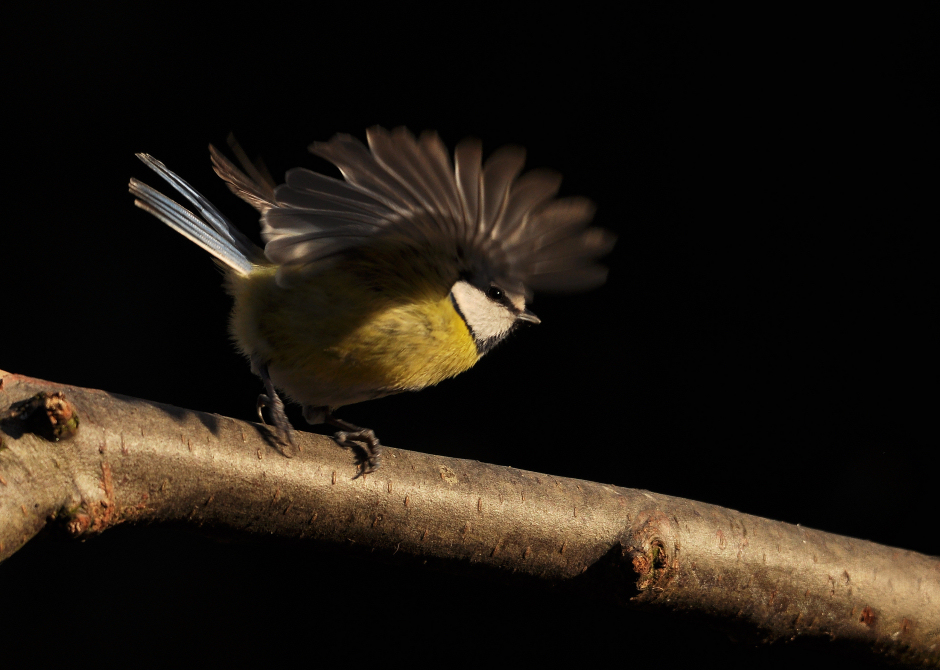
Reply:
x=336 y=340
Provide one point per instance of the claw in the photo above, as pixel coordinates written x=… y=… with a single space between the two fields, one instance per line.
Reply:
x=362 y=440
x=263 y=401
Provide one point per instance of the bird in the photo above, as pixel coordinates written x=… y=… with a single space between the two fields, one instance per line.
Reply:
x=403 y=273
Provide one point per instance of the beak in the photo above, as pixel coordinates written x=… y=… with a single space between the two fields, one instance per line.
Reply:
x=526 y=315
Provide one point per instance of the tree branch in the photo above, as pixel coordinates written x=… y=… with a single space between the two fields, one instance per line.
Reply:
x=120 y=459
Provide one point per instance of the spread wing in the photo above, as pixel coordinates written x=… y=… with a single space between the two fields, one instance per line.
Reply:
x=496 y=221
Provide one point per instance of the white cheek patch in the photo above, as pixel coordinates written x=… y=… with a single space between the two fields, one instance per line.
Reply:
x=487 y=320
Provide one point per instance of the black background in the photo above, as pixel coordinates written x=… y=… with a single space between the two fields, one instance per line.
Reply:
x=761 y=343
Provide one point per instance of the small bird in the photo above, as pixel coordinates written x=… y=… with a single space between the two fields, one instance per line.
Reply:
x=401 y=276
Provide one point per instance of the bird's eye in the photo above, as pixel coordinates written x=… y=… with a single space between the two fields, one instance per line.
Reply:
x=494 y=293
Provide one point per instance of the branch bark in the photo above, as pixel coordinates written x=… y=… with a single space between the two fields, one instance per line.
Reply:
x=119 y=459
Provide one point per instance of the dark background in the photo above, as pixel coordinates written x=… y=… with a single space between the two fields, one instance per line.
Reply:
x=761 y=343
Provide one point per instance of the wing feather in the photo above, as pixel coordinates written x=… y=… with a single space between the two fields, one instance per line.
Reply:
x=360 y=168
x=467 y=160
x=511 y=228
x=255 y=192
x=499 y=172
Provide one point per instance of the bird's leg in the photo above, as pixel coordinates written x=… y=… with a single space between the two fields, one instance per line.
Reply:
x=271 y=400
x=368 y=448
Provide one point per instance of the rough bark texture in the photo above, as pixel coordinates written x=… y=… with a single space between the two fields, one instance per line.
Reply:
x=119 y=459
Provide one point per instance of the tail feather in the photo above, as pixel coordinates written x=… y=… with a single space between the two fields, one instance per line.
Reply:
x=213 y=232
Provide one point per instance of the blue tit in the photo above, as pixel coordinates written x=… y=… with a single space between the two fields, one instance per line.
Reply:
x=401 y=276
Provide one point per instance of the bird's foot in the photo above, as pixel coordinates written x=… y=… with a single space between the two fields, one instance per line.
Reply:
x=283 y=431
x=362 y=440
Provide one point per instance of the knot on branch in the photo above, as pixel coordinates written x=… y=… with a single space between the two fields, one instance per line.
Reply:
x=49 y=415
x=97 y=512
x=654 y=557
